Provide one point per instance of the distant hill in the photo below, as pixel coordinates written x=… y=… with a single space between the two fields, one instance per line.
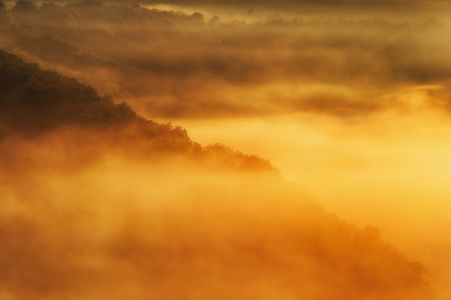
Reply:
x=34 y=101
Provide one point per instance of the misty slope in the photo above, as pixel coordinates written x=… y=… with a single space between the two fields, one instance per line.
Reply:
x=138 y=229
x=33 y=102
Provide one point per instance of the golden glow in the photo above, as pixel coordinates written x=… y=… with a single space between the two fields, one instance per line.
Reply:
x=349 y=101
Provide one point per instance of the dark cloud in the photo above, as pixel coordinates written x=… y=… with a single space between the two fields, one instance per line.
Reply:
x=285 y=4
x=175 y=62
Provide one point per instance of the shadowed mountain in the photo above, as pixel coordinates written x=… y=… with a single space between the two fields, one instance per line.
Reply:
x=34 y=102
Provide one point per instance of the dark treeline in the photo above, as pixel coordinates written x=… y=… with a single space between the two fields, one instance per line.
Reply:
x=34 y=101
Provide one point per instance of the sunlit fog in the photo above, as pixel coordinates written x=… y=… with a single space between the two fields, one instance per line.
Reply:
x=293 y=149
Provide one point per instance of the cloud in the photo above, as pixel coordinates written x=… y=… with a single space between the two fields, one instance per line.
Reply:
x=171 y=65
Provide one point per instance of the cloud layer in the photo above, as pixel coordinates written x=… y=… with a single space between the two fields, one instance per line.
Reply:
x=170 y=64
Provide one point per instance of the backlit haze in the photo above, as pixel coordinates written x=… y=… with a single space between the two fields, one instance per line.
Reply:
x=292 y=149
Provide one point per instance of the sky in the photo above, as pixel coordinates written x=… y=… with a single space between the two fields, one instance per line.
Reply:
x=232 y=149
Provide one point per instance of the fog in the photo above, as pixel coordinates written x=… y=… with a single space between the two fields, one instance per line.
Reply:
x=83 y=217
x=308 y=158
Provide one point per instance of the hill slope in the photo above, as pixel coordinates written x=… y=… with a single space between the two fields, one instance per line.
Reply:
x=152 y=227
